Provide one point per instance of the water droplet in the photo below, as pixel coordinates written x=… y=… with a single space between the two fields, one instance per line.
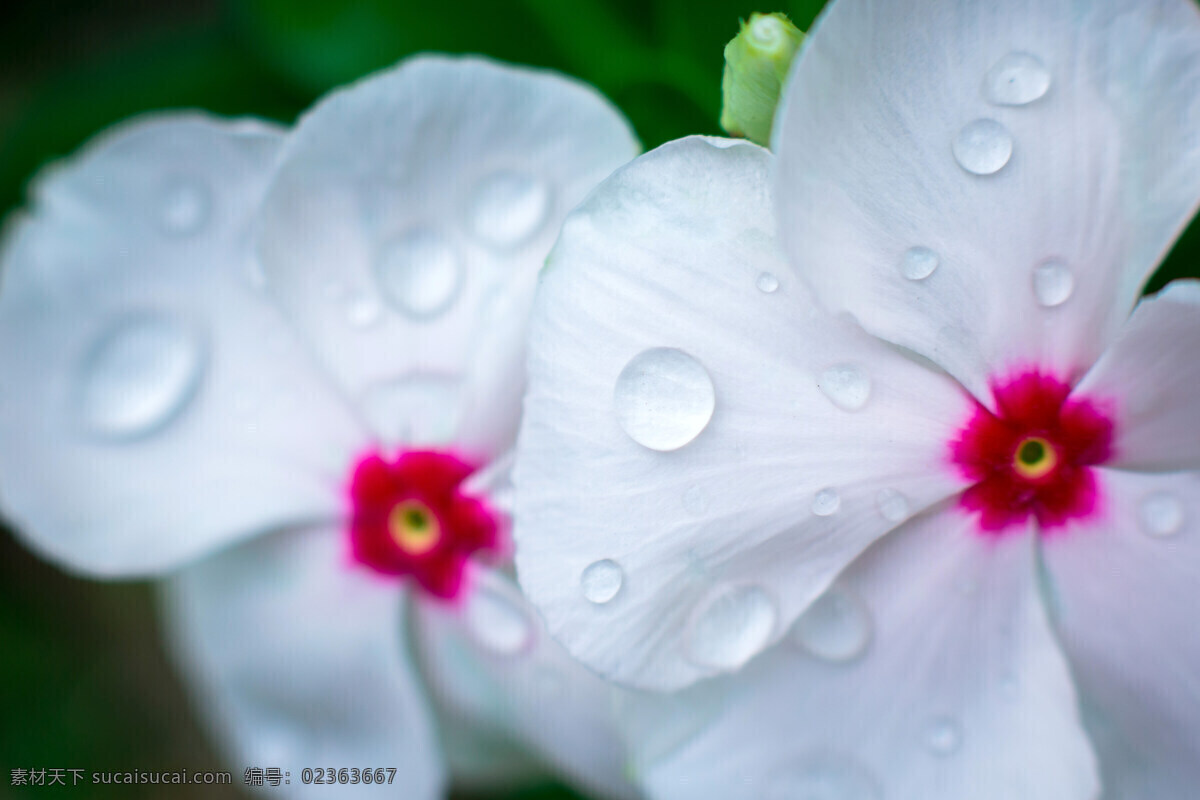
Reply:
x=695 y=501
x=420 y=273
x=508 y=208
x=892 y=505
x=836 y=627
x=823 y=776
x=983 y=147
x=918 y=263
x=417 y=409
x=1161 y=514
x=1053 y=283
x=847 y=386
x=363 y=312
x=732 y=627
x=826 y=502
x=497 y=622
x=184 y=206
x=767 y=283
x=602 y=580
x=1016 y=79
x=943 y=736
x=139 y=375
x=664 y=398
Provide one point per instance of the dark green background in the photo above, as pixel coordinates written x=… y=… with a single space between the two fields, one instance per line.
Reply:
x=83 y=679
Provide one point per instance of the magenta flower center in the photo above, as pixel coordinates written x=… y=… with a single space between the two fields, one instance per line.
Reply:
x=411 y=518
x=1033 y=456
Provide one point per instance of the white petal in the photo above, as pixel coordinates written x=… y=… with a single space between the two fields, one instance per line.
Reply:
x=701 y=472
x=492 y=665
x=1125 y=593
x=1037 y=263
x=155 y=404
x=1150 y=377
x=955 y=688
x=296 y=659
x=407 y=224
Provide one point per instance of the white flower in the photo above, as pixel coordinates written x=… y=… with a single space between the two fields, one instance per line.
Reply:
x=919 y=551
x=159 y=418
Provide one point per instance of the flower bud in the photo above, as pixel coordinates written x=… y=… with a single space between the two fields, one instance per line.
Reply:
x=756 y=64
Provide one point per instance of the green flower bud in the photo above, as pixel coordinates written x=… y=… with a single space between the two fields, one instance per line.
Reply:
x=756 y=64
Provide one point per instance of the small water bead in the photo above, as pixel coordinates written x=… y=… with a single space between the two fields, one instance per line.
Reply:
x=823 y=776
x=983 y=147
x=663 y=398
x=601 y=581
x=498 y=622
x=184 y=206
x=508 y=208
x=836 y=627
x=732 y=627
x=420 y=273
x=363 y=312
x=1017 y=79
x=1161 y=514
x=943 y=736
x=846 y=385
x=918 y=263
x=826 y=502
x=695 y=501
x=138 y=376
x=767 y=283
x=1053 y=283
x=892 y=505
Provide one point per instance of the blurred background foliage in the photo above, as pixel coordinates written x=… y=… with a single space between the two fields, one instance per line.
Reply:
x=84 y=682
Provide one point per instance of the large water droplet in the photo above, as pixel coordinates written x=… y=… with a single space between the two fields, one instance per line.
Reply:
x=892 y=505
x=420 y=273
x=732 y=627
x=664 y=398
x=184 y=205
x=139 y=375
x=767 y=283
x=695 y=501
x=823 y=776
x=1161 y=514
x=837 y=627
x=602 y=580
x=983 y=147
x=826 y=502
x=1053 y=283
x=498 y=622
x=846 y=385
x=943 y=736
x=508 y=208
x=1016 y=79
x=918 y=263
x=418 y=409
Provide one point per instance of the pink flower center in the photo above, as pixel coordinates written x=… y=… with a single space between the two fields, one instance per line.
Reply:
x=412 y=518
x=1033 y=456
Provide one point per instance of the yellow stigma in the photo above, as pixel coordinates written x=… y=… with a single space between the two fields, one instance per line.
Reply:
x=1035 y=458
x=413 y=527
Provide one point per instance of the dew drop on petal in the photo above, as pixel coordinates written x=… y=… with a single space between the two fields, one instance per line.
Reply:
x=846 y=385
x=140 y=374
x=732 y=626
x=823 y=776
x=602 y=580
x=826 y=502
x=767 y=283
x=943 y=736
x=695 y=501
x=892 y=505
x=184 y=206
x=1053 y=283
x=497 y=622
x=1016 y=79
x=363 y=312
x=420 y=273
x=1161 y=514
x=918 y=263
x=983 y=147
x=836 y=627
x=663 y=398
x=508 y=208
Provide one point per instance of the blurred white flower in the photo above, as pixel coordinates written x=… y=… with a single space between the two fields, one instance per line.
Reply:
x=889 y=410
x=314 y=501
